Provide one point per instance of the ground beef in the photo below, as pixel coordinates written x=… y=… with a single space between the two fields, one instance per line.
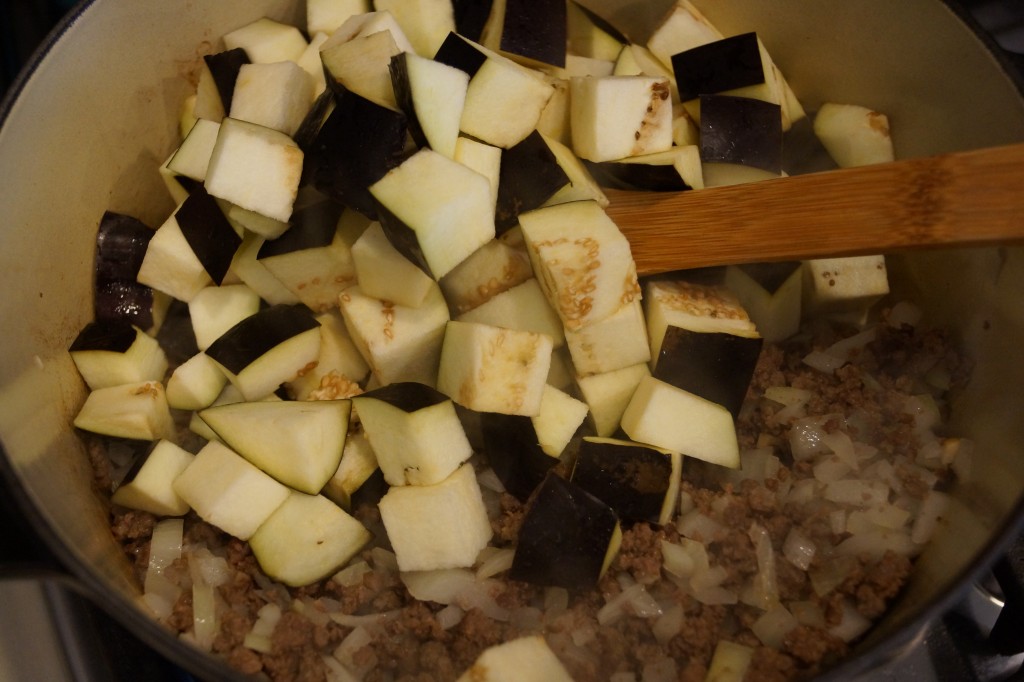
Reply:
x=409 y=644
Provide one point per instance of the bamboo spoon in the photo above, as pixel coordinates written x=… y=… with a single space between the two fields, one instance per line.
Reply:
x=957 y=199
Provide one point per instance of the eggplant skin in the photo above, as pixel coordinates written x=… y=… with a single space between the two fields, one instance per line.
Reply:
x=116 y=336
x=513 y=451
x=208 y=233
x=457 y=52
x=123 y=299
x=471 y=17
x=565 y=537
x=224 y=67
x=713 y=365
x=529 y=176
x=632 y=480
x=121 y=244
x=741 y=130
x=636 y=176
x=770 y=276
x=536 y=29
x=408 y=396
x=718 y=66
x=251 y=338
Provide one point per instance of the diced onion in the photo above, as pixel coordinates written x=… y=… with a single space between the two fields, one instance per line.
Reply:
x=488 y=479
x=837 y=521
x=831 y=468
x=527 y=619
x=773 y=626
x=266 y=620
x=353 y=643
x=260 y=643
x=352 y=575
x=841 y=444
x=799 y=549
x=499 y=561
x=857 y=492
x=698 y=526
x=634 y=600
x=684 y=559
x=204 y=615
x=668 y=624
x=851 y=626
x=766 y=591
x=160 y=594
x=904 y=313
x=662 y=670
x=823 y=362
x=807 y=435
x=876 y=543
x=336 y=672
x=931 y=510
x=384 y=560
x=449 y=616
x=715 y=595
x=368 y=621
x=844 y=349
x=808 y=613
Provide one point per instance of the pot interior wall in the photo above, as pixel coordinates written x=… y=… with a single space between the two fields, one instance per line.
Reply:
x=98 y=115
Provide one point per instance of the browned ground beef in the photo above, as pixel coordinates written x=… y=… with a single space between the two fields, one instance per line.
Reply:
x=411 y=645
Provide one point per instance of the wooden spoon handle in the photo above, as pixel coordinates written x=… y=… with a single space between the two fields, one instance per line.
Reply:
x=957 y=199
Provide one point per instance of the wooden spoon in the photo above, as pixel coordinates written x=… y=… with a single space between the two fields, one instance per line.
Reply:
x=957 y=199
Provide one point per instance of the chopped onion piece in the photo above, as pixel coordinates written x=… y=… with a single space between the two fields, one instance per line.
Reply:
x=662 y=670
x=837 y=521
x=368 y=621
x=668 y=624
x=802 y=492
x=931 y=510
x=788 y=395
x=823 y=362
x=798 y=549
x=158 y=604
x=352 y=575
x=773 y=626
x=857 y=492
x=489 y=480
x=214 y=570
x=698 y=526
x=715 y=595
x=875 y=543
x=159 y=593
x=260 y=643
x=499 y=561
x=807 y=435
x=336 y=672
x=266 y=620
x=204 y=615
x=634 y=600
x=384 y=560
x=844 y=349
x=684 y=559
x=449 y=616
x=904 y=313
x=808 y=613
x=346 y=652
x=842 y=445
x=852 y=625
x=765 y=586
x=831 y=468
x=830 y=574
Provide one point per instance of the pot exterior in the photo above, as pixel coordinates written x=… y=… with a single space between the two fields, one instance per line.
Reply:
x=86 y=128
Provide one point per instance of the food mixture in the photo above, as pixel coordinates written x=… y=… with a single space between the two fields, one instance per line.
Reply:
x=801 y=527
x=767 y=510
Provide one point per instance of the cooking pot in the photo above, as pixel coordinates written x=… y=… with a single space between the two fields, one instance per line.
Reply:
x=88 y=123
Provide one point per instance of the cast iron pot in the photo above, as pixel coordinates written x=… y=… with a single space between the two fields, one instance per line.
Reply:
x=88 y=123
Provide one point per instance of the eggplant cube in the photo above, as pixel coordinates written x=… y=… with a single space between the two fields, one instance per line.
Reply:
x=339 y=366
x=195 y=383
x=326 y=16
x=741 y=130
x=229 y=492
x=255 y=167
x=491 y=369
x=619 y=116
x=770 y=293
x=435 y=210
x=640 y=482
x=712 y=365
x=853 y=135
x=297 y=442
x=559 y=418
x=484 y=158
x=526 y=659
x=522 y=307
x=618 y=341
x=738 y=65
x=266 y=41
x=384 y=273
x=504 y=100
x=193 y=154
x=358 y=463
x=267 y=349
x=608 y=394
x=530 y=175
x=836 y=285
x=693 y=306
x=214 y=310
x=313 y=259
x=668 y=417
x=306 y=539
x=276 y=95
x=148 y=485
x=138 y=411
x=493 y=268
x=513 y=450
x=253 y=273
x=682 y=28
x=170 y=264
x=444 y=525
x=414 y=432
x=582 y=261
x=360 y=65
x=398 y=343
x=432 y=95
x=426 y=23
x=113 y=352
x=568 y=537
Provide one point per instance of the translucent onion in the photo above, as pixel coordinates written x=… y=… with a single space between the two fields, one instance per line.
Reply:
x=799 y=549
x=346 y=651
x=773 y=626
x=336 y=672
x=668 y=624
x=384 y=560
x=260 y=643
x=876 y=543
x=807 y=435
x=852 y=625
x=846 y=348
x=828 y=575
x=765 y=585
x=634 y=600
x=449 y=617
x=698 y=526
x=857 y=492
x=498 y=561
x=489 y=480
x=352 y=575
x=266 y=620
x=715 y=595
x=204 y=615
x=830 y=469
x=904 y=313
x=823 y=362
x=808 y=613
x=842 y=445
x=684 y=559
x=368 y=621
x=164 y=547
x=931 y=510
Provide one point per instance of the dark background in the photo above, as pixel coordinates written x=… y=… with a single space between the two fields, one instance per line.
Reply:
x=24 y=23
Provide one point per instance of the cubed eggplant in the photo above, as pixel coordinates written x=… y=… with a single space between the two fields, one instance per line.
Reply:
x=224 y=67
x=121 y=243
x=726 y=64
x=471 y=17
x=209 y=233
x=568 y=538
x=638 y=481
x=714 y=365
x=513 y=450
x=741 y=130
x=432 y=95
x=113 y=352
x=357 y=145
x=530 y=175
x=536 y=30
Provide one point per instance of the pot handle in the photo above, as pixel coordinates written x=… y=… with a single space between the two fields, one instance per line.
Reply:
x=1006 y=636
